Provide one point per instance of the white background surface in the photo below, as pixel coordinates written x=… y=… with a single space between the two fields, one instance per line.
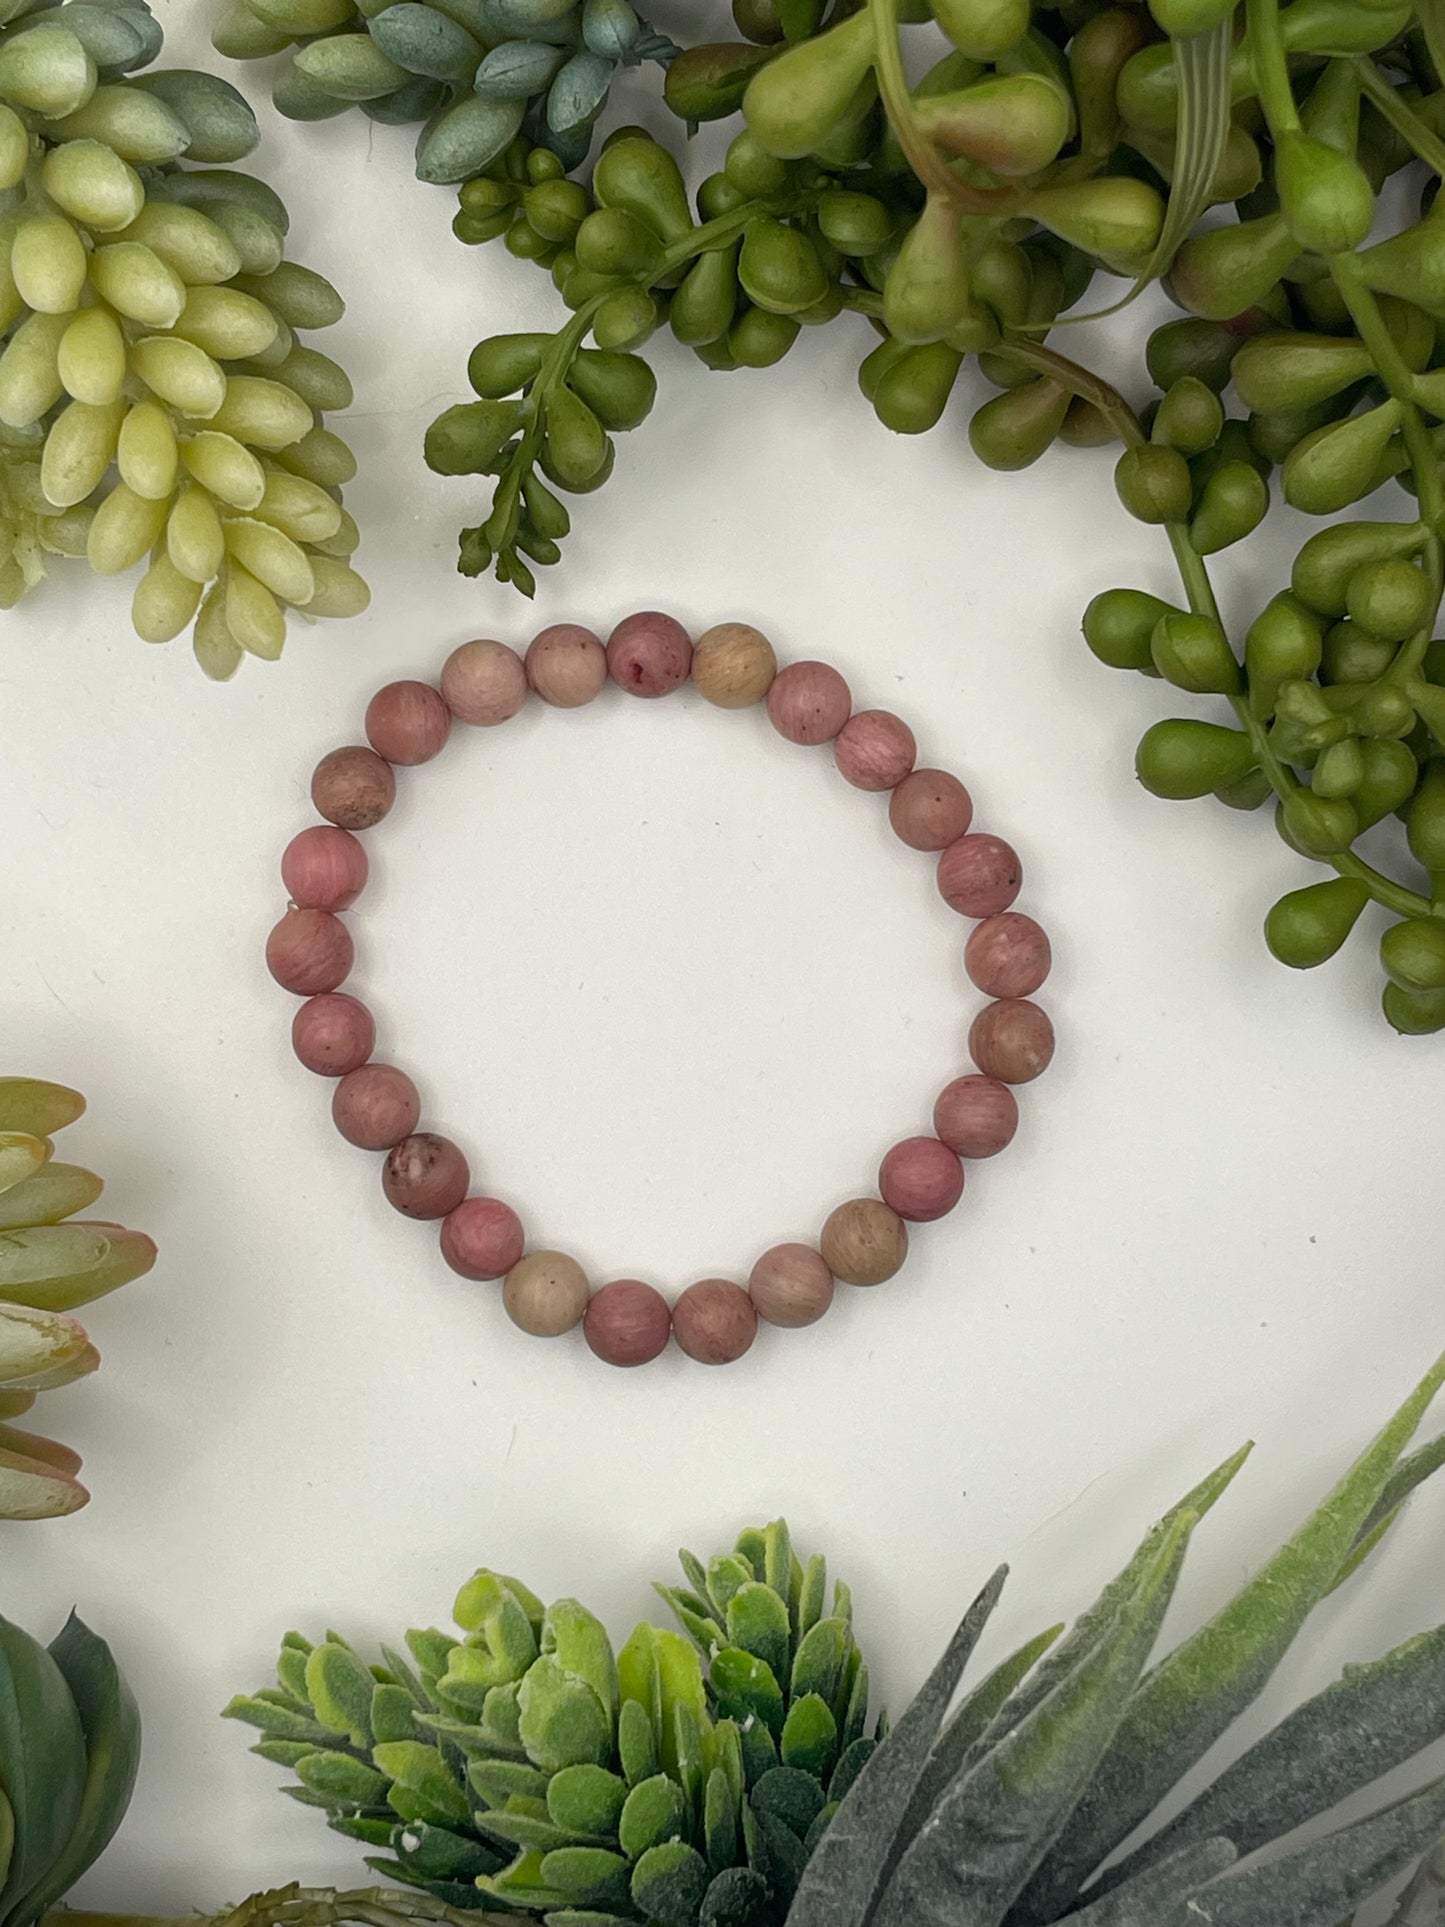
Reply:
x=675 y=988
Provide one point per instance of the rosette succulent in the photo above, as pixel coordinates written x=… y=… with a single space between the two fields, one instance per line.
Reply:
x=474 y=71
x=155 y=403
x=49 y=1264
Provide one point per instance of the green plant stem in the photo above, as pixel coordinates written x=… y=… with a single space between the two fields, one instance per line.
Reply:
x=1271 y=68
x=305 y=1906
x=933 y=174
x=1406 y=123
x=1079 y=381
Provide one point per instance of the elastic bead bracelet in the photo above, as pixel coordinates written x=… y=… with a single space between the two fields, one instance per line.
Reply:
x=376 y=1106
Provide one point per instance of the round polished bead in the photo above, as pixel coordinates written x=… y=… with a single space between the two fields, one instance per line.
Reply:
x=353 y=787
x=407 y=723
x=874 y=750
x=546 y=1293
x=425 y=1176
x=627 y=1322
x=333 y=1034
x=921 y=1179
x=484 y=683
x=733 y=665
x=324 y=868
x=566 y=665
x=976 y=1116
x=714 y=1321
x=864 y=1242
x=1008 y=955
x=649 y=654
x=376 y=1107
x=930 y=809
x=790 y=1285
x=309 y=951
x=482 y=1238
x=1012 y=1040
x=808 y=703
x=979 y=875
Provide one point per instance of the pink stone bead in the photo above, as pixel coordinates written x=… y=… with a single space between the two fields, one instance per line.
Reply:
x=333 y=1034
x=309 y=951
x=375 y=1107
x=979 y=875
x=921 y=1179
x=976 y=1116
x=482 y=1238
x=808 y=702
x=627 y=1323
x=930 y=809
x=425 y=1176
x=1012 y=1040
x=566 y=665
x=1007 y=955
x=484 y=683
x=714 y=1321
x=324 y=868
x=790 y=1285
x=649 y=654
x=353 y=787
x=407 y=723
x=874 y=750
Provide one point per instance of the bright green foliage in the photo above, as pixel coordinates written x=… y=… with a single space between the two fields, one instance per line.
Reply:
x=49 y=1264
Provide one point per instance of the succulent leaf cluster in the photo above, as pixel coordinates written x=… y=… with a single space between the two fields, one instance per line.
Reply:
x=50 y=1263
x=156 y=404
x=475 y=72
x=524 y=1766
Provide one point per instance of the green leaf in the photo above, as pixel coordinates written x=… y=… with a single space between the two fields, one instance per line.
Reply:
x=277 y=1722
x=340 y=1690
x=669 y=1882
x=563 y=1722
x=42 y=1761
x=342 y=1778
x=499 y=1781
x=1141 y=1902
x=810 y=1736
x=586 y=1800
x=38 y=1109
x=636 y=1743
x=791 y=1795
x=821 y=1658
x=1407 y=1475
x=757 y=1621
x=41 y=1269
x=422 y=1771
x=654 y=1811
x=57 y=1191
x=745 y=1688
x=720 y=1821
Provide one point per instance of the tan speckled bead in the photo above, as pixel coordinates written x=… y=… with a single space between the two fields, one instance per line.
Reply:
x=733 y=665
x=545 y=1293
x=791 y=1286
x=863 y=1242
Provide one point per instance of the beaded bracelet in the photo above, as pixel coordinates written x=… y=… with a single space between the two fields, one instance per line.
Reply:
x=376 y=1106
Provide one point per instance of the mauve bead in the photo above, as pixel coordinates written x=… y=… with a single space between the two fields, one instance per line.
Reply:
x=1007 y=955
x=407 y=723
x=482 y=1238
x=546 y=1294
x=733 y=665
x=808 y=702
x=566 y=665
x=714 y=1321
x=979 y=875
x=425 y=1176
x=864 y=1242
x=790 y=1285
x=921 y=1179
x=649 y=654
x=976 y=1116
x=376 y=1107
x=1012 y=1040
x=333 y=1034
x=627 y=1323
x=309 y=951
x=484 y=683
x=324 y=868
x=874 y=750
x=353 y=787
x=930 y=809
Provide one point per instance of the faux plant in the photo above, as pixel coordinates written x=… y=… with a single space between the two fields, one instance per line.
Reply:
x=155 y=402
x=959 y=219
x=728 y=1782
x=477 y=72
x=50 y=1263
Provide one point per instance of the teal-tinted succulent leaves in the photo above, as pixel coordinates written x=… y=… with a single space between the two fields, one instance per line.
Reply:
x=42 y=1762
x=1146 y=1899
x=518 y=69
x=578 y=92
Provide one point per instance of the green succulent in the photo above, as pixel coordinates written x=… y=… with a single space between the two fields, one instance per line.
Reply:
x=49 y=1265
x=524 y=1767
x=156 y=404
x=474 y=71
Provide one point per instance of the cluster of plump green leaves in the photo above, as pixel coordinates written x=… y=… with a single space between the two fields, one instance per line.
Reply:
x=156 y=404
x=523 y=1766
x=476 y=72
x=50 y=1263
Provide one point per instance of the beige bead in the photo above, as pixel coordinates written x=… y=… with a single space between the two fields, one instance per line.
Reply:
x=863 y=1242
x=733 y=665
x=790 y=1285
x=545 y=1293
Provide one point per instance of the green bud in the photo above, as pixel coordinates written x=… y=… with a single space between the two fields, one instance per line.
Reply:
x=751 y=169
x=1184 y=758
x=1323 y=567
x=91 y=358
x=1086 y=426
x=1191 y=16
x=300 y=18
x=253 y=615
x=147 y=454
x=1308 y=926
x=1324 y=196
x=1001 y=278
x=1114 y=217
x=1288 y=371
x=1384 y=711
x=1411 y=265
x=319 y=381
x=626 y=319
x=1339 y=769
x=706 y=301
x=1413 y=953
x=1391 y=774
x=340 y=591
x=138 y=284
x=912 y=384
x=1118 y=625
x=350 y=66
x=1231 y=505
x=793 y=101
x=92 y=184
x=14 y=148
x=228 y=324
x=620 y=389
x=1154 y=484
x=926 y=294
x=759 y=339
x=1100 y=49
x=1317 y=825
x=195 y=540
x=273 y=558
x=1189 y=418
x=1353 y=655
x=758 y=20
x=1283 y=644
x=319 y=456
x=464 y=137
x=1425 y=819
x=640 y=177
x=264 y=414
x=48 y=264
x=612 y=241
x=711 y=82
x=1226 y=270
x=855 y=224
x=46 y=71
x=193 y=247
x=1014 y=429
x=137 y=126
x=165 y=602
x=466 y=439
x=1338 y=464
x=1417 y=1013
x=226 y=469
x=300 y=509
x=1012 y=124
x=1193 y=653
x=576 y=443
x=78 y=450
x=556 y=209
x=1392 y=598
x=779 y=268
x=524 y=242
x=180 y=373
x=30 y=381
x=1247 y=792
x=126 y=527
x=983 y=29
x=505 y=364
